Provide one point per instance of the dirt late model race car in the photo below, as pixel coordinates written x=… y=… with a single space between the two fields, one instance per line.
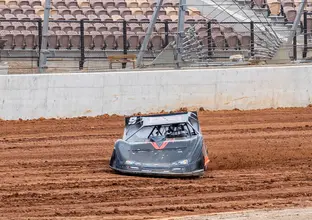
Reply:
x=161 y=145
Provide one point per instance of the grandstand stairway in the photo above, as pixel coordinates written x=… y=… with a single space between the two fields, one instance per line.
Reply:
x=240 y=11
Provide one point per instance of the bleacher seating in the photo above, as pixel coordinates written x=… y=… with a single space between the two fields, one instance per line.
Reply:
x=23 y=34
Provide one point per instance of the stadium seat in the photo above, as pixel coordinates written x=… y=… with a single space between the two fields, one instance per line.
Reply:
x=142 y=18
x=93 y=17
x=274 y=7
x=63 y=10
x=143 y=4
x=4 y=10
x=15 y=9
x=133 y=40
x=7 y=26
x=10 y=17
x=165 y=18
x=8 y=36
x=52 y=40
x=96 y=3
x=23 y=2
x=29 y=37
x=75 y=26
x=106 y=18
x=245 y=40
x=287 y=3
x=290 y=13
x=147 y=11
x=70 y=17
x=83 y=3
x=132 y=4
x=33 y=3
x=54 y=26
x=57 y=17
x=110 y=41
x=135 y=27
x=11 y=2
x=171 y=11
x=71 y=3
x=120 y=4
x=98 y=40
x=137 y=11
x=218 y=40
x=193 y=11
x=232 y=40
x=130 y=18
x=80 y=17
x=156 y=42
x=174 y=17
x=119 y=39
x=74 y=39
x=89 y=27
x=125 y=11
x=34 y=17
x=63 y=39
x=100 y=27
x=27 y=10
x=109 y=3
x=88 y=40
x=167 y=3
x=66 y=27
x=117 y=18
x=30 y=26
x=120 y=26
x=88 y=11
x=59 y=3
x=112 y=27
x=18 y=26
x=74 y=10
x=113 y=11
x=100 y=11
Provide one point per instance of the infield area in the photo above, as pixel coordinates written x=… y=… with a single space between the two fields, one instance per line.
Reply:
x=59 y=168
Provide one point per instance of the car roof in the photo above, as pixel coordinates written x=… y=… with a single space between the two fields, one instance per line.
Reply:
x=165 y=119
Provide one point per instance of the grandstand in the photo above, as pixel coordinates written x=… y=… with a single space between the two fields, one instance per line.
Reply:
x=93 y=29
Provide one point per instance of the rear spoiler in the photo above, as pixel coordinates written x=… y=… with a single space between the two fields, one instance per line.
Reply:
x=136 y=119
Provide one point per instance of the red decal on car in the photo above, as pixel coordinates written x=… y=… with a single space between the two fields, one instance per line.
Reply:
x=162 y=146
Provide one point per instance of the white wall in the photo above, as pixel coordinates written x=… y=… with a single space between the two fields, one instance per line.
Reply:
x=90 y=94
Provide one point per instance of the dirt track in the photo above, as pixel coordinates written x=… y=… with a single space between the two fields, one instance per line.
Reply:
x=59 y=168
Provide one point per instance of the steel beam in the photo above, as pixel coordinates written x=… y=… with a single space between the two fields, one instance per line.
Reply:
x=148 y=33
x=44 y=52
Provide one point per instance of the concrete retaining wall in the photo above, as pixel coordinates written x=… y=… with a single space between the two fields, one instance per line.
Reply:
x=90 y=94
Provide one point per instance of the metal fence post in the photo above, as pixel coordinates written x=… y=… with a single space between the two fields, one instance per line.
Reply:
x=166 y=33
x=209 y=35
x=82 y=51
x=39 y=39
x=125 y=50
x=305 y=35
x=252 y=39
x=295 y=47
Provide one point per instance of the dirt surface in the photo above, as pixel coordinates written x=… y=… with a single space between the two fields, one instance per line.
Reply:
x=59 y=168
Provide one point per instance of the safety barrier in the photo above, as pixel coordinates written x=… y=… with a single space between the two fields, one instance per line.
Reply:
x=91 y=94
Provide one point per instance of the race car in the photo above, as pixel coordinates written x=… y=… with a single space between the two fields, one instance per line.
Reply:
x=161 y=145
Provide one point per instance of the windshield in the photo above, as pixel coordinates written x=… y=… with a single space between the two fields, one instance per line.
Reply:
x=161 y=132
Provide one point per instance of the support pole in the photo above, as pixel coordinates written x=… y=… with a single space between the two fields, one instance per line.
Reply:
x=44 y=52
x=39 y=39
x=296 y=22
x=125 y=46
x=148 y=33
x=209 y=39
x=252 y=39
x=180 y=35
x=305 y=35
x=82 y=46
x=295 y=47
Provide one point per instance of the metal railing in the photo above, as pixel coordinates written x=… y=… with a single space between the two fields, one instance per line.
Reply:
x=125 y=49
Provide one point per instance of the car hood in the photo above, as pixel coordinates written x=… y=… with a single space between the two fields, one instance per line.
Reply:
x=165 y=152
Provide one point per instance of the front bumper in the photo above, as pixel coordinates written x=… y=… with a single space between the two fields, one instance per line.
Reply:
x=164 y=172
